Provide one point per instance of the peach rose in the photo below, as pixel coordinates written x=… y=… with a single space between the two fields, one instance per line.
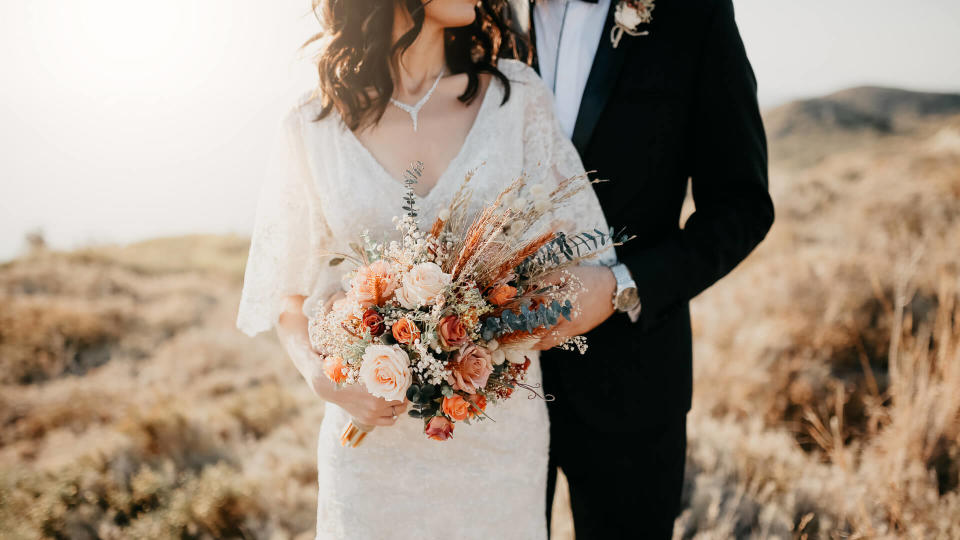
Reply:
x=405 y=331
x=470 y=368
x=372 y=322
x=452 y=332
x=385 y=371
x=502 y=295
x=374 y=284
x=422 y=285
x=456 y=408
x=439 y=428
x=335 y=369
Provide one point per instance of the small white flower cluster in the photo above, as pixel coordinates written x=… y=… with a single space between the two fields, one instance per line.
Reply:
x=413 y=240
x=326 y=334
x=353 y=374
x=578 y=343
x=430 y=368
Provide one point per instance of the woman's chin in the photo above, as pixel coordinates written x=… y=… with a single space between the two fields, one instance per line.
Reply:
x=452 y=13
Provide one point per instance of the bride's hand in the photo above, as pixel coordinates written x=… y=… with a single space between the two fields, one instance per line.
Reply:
x=365 y=408
x=353 y=398
x=594 y=302
x=292 y=329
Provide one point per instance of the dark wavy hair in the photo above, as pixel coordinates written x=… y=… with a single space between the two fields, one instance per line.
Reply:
x=355 y=61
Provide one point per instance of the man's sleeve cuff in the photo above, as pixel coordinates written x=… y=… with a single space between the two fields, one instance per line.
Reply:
x=634 y=313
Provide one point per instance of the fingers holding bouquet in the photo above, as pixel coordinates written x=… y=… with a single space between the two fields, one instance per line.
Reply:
x=369 y=410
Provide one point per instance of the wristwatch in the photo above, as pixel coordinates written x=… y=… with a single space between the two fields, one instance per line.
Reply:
x=625 y=298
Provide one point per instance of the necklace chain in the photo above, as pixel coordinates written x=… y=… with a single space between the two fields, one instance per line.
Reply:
x=414 y=110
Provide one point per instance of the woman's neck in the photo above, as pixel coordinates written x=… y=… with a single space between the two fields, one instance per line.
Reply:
x=422 y=62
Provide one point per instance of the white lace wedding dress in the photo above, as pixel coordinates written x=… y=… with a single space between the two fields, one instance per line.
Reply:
x=488 y=481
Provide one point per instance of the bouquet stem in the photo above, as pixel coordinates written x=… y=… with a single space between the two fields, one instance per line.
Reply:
x=354 y=433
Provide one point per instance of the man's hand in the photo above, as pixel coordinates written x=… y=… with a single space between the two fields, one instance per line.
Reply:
x=594 y=302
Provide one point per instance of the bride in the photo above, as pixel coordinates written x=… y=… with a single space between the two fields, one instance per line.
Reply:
x=404 y=81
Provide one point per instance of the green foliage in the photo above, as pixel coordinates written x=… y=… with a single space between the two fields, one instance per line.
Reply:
x=566 y=248
x=545 y=316
x=421 y=394
x=425 y=401
x=410 y=178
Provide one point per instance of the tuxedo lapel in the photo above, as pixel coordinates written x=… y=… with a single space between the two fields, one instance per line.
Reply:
x=603 y=74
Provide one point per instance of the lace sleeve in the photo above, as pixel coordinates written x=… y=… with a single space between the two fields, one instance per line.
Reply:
x=289 y=237
x=549 y=156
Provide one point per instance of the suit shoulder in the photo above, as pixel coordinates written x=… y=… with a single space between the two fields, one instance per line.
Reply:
x=708 y=9
x=701 y=6
x=691 y=13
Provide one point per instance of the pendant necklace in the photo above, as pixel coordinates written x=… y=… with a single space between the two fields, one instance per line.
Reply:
x=414 y=110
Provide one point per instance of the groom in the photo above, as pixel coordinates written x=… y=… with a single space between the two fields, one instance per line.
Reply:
x=648 y=105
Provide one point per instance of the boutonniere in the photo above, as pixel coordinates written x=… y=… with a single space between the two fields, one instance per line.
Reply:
x=628 y=16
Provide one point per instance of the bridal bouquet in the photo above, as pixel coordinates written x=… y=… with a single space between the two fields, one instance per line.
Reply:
x=445 y=317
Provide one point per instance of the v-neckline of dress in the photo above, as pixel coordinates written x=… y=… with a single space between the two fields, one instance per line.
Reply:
x=394 y=179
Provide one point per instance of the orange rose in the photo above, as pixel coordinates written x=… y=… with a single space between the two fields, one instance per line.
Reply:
x=502 y=295
x=335 y=369
x=456 y=408
x=439 y=428
x=405 y=331
x=479 y=401
x=452 y=332
x=374 y=284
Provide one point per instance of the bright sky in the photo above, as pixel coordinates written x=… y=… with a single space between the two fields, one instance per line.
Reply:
x=125 y=119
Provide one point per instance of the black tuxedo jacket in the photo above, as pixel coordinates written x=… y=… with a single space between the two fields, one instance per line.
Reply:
x=677 y=104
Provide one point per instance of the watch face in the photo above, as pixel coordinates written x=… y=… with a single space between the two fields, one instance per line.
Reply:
x=627 y=299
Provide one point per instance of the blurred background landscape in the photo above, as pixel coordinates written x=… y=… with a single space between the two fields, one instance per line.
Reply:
x=827 y=366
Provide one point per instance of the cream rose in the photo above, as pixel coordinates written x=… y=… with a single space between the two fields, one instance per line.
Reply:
x=385 y=371
x=422 y=285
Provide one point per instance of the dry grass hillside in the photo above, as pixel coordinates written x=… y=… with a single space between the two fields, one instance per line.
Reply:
x=827 y=401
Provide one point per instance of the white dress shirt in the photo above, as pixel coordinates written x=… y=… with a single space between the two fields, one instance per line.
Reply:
x=567 y=34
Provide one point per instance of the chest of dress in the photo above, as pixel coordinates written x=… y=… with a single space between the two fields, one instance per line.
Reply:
x=357 y=193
